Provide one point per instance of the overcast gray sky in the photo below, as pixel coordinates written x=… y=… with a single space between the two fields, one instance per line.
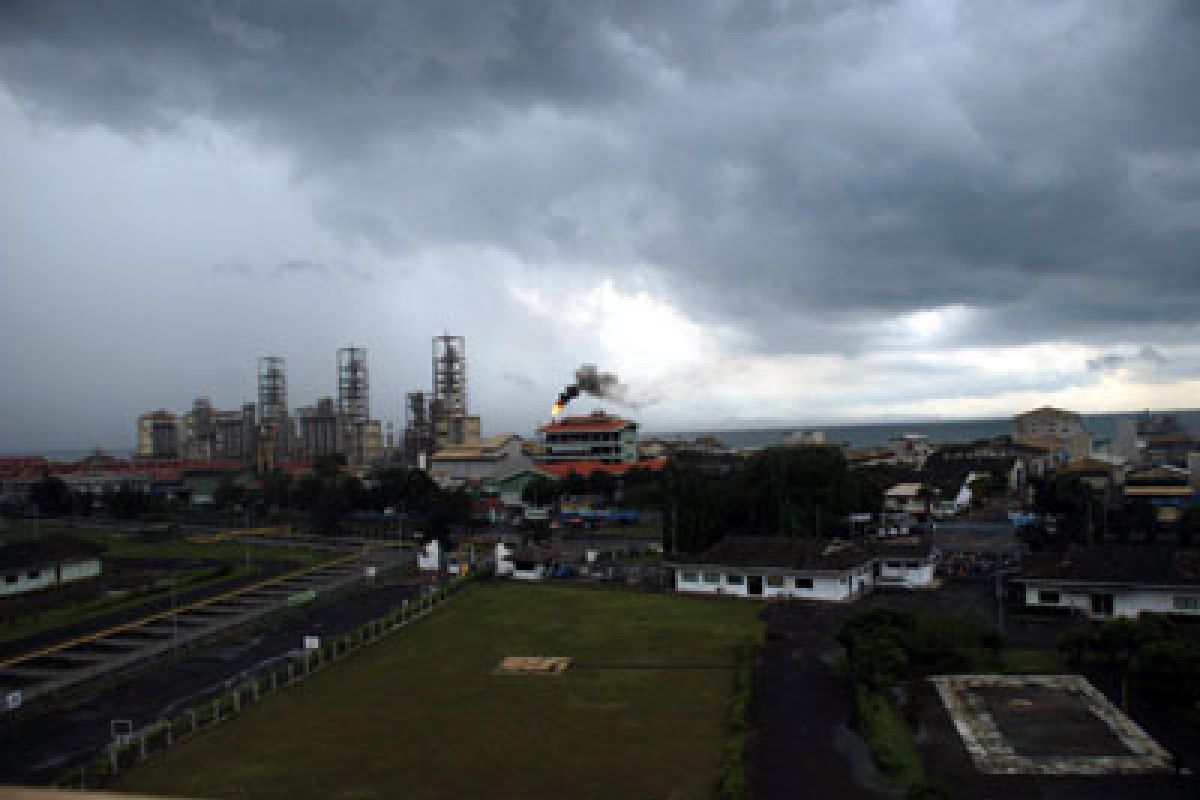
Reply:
x=753 y=212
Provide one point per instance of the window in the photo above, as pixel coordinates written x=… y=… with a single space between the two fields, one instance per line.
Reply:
x=804 y=583
x=912 y=564
x=1048 y=598
x=689 y=577
x=712 y=577
x=1187 y=603
x=34 y=574
x=894 y=564
x=734 y=580
x=775 y=581
x=10 y=578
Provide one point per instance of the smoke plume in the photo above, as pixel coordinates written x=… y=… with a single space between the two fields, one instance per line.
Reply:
x=590 y=380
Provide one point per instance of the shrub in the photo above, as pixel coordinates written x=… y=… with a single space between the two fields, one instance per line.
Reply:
x=887 y=737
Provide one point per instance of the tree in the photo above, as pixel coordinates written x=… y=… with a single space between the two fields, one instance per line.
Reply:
x=540 y=491
x=878 y=663
x=276 y=489
x=51 y=495
x=1170 y=668
x=1070 y=499
x=228 y=494
x=1117 y=642
x=127 y=502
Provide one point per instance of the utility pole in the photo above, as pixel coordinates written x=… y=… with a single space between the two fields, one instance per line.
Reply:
x=999 y=601
x=174 y=618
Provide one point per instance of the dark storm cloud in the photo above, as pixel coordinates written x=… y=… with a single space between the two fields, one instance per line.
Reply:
x=789 y=166
x=1145 y=356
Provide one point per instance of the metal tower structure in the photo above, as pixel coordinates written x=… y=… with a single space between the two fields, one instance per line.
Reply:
x=450 y=375
x=353 y=383
x=272 y=389
x=418 y=426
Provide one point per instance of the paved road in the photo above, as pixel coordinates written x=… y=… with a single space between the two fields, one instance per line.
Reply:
x=806 y=747
x=36 y=750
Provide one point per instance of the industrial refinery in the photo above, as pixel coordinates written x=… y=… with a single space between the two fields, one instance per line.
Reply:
x=270 y=431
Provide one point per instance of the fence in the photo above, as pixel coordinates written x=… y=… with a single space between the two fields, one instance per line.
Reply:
x=128 y=749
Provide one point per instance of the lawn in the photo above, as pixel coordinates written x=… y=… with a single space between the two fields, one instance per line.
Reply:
x=119 y=544
x=422 y=715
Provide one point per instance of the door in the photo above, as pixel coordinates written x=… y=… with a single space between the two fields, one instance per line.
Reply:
x=754 y=584
x=1102 y=605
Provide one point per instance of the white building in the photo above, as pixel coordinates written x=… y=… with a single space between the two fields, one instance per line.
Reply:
x=815 y=569
x=597 y=437
x=45 y=563
x=909 y=498
x=912 y=449
x=432 y=557
x=1053 y=429
x=804 y=437
x=490 y=459
x=1114 y=581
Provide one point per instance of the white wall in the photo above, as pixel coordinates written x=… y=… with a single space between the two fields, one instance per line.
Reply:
x=894 y=572
x=430 y=558
x=80 y=569
x=44 y=579
x=536 y=574
x=824 y=587
x=504 y=565
x=1126 y=603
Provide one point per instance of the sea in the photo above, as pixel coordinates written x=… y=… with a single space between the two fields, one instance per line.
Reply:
x=1102 y=426
x=867 y=434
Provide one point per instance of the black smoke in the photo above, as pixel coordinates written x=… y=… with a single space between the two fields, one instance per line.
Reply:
x=591 y=381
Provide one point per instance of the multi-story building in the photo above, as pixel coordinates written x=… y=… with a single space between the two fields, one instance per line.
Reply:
x=1154 y=439
x=320 y=429
x=597 y=437
x=1054 y=429
x=158 y=435
x=911 y=449
x=234 y=433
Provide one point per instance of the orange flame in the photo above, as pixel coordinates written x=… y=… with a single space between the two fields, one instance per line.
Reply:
x=556 y=409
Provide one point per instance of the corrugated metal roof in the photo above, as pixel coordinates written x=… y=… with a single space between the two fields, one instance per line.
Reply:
x=561 y=469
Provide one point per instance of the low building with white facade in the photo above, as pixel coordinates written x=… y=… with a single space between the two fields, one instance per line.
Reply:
x=1102 y=582
x=488 y=460
x=815 y=569
x=46 y=563
x=524 y=563
x=909 y=498
x=432 y=557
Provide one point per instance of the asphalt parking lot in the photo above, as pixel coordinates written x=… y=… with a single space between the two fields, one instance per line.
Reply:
x=36 y=750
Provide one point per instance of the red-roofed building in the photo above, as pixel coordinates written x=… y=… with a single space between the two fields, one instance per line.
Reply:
x=561 y=469
x=596 y=437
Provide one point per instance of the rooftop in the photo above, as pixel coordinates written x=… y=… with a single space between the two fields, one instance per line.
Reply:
x=782 y=553
x=1048 y=411
x=561 y=469
x=1117 y=564
x=596 y=421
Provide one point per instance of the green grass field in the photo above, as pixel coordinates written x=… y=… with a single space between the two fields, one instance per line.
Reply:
x=118 y=544
x=122 y=545
x=422 y=715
